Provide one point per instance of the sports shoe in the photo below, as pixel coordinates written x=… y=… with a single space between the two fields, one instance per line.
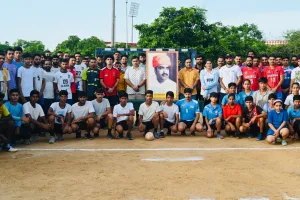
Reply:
x=33 y=138
x=278 y=140
x=283 y=143
x=78 y=134
x=88 y=136
x=60 y=137
x=193 y=134
x=155 y=134
x=52 y=140
x=260 y=137
x=161 y=134
x=110 y=136
x=129 y=136
x=121 y=135
x=9 y=148
x=220 y=136
x=237 y=135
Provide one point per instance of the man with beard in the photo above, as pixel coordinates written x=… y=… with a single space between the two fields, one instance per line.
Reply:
x=264 y=62
x=55 y=64
x=79 y=68
x=122 y=68
x=117 y=55
x=294 y=61
x=256 y=62
x=12 y=84
x=238 y=60
x=278 y=61
x=59 y=54
x=220 y=63
x=229 y=73
x=162 y=66
x=287 y=77
x=251 y=73
x=90 y=79
x=100 y=63
x=199 y=66
x=142 y=60
x=38 y=76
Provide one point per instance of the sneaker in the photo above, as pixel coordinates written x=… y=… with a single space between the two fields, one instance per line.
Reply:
x=237 y=135
x=155 y=134
x=278 y=140
x=33 y=138
x=129 y=136
x=78 y=134
x=260 y=137
x=250 y=135
x=220 y=136
x=88 y=136
x=193 y=134
x=60 y=137
x=283 y=143
x=9 y=148
x=26 y=141
x=121 y=135
x=52 y=140
x=161 y=134
x=110 y=136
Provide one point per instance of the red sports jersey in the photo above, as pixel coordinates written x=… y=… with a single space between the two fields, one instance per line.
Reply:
x=73 y=85
x=110 y=77
x=273 y=76
x=253 y=74
x=235 y=110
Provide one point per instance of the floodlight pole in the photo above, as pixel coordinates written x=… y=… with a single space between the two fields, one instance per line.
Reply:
x=126 y=24
x=113 y=24
x=132 y=29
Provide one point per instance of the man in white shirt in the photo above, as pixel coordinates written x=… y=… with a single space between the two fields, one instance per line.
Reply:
x=123 y=114
x=35 y=113
x=63 y=80
x=60 y=117
x=83 y=114
x=169 y=116
x=79 y=68
x=135 y=78
x=4 y=77
x=25 y=78
x=38 y=77
x=295 y=76
x=55 y=64
x=149 y=114
x=49 y=89
x=103 y=113
x=229 y=73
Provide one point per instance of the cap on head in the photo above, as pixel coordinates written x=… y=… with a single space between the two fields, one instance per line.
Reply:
x=162 y=59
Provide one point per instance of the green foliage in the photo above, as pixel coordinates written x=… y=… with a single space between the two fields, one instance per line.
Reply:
x=188 y=28
x=30 y=46
x=86 y=46
x=4 y=46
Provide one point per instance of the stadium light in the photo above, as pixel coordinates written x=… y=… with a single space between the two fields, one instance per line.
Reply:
x=133 y=12
x=113 y=23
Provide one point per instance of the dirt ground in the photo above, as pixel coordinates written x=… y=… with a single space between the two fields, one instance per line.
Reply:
x=118 y=174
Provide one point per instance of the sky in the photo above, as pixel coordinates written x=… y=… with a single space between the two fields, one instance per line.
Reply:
x=53 y=21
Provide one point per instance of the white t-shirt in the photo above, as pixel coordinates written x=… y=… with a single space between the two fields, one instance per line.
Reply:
x=49 y=89
x=26 y=75
x=289 y=100
x=34 y=112
x=100 y=107
x=38 y=73
x=118 y=109
x=229 y=75
x=80 y=111
x=79 y=69
x=64 y=80
x=148 y=112
x=3 y=87
x=55 y=69
x=171 y=111
x=60 y=111
x=296 y=74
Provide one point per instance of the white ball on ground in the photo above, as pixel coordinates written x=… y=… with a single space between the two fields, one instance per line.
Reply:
x=149 y=136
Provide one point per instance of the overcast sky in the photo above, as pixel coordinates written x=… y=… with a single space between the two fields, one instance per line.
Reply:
x=53 y=21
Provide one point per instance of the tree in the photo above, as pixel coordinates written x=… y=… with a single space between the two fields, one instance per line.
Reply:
x=4 y=46
x=30 y=46
x=69 y=45
x=188 y=28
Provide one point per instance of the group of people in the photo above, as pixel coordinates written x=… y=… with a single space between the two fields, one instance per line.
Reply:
x=64 y=93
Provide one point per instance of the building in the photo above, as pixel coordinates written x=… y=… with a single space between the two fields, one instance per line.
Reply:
x=108 y=44
x=275 y=42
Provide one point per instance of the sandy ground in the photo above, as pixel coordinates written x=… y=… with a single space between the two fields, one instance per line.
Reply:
x=222 y=174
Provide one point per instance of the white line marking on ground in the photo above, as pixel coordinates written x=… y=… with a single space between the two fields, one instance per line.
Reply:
x=174 y=159
x=202 y=198
x=163 y=149
x=289 y=198
x=254 y=198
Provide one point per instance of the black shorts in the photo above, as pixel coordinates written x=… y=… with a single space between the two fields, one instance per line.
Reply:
x=123 y=124
x=58 y=128
x=149 y=125
x=102 y=123
x=213 y=126
x=81 y=125
x=296 y=126
x=113 y=100
x=168 y=124
x=188 y=123
x=254 y=128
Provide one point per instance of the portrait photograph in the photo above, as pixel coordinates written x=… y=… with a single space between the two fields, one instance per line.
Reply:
x=161 y=70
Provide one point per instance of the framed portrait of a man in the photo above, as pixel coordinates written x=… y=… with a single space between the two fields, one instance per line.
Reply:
x=161 y=70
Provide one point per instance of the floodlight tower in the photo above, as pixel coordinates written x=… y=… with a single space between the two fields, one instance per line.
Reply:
x=133 y=12
x=113 y=23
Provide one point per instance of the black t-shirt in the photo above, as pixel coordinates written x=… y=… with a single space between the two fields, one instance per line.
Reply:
x=248 y=115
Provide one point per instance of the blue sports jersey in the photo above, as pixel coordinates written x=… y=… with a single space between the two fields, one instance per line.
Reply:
x=276 y=119
x=287 y=77
x=211 y=112
x=236 y=100
x=18 y=64
x=292 y=113
x=16 y=112
x=243 y=95
x=188 y=110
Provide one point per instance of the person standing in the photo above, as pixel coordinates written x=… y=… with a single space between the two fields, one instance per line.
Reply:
x=287 y=77
x=49 y=89
x=38 y=77
x=229 y=73
x=12 y=69
x=109 y=79
x=79 y=68
x=122 y=83
x=142 y=60
x=55 y=64
x=90 y=79
x=4 y=77
x=251 y=73
x=18 y=57
x=188 y=78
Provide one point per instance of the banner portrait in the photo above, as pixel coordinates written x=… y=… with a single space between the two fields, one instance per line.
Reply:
x=161 y=70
